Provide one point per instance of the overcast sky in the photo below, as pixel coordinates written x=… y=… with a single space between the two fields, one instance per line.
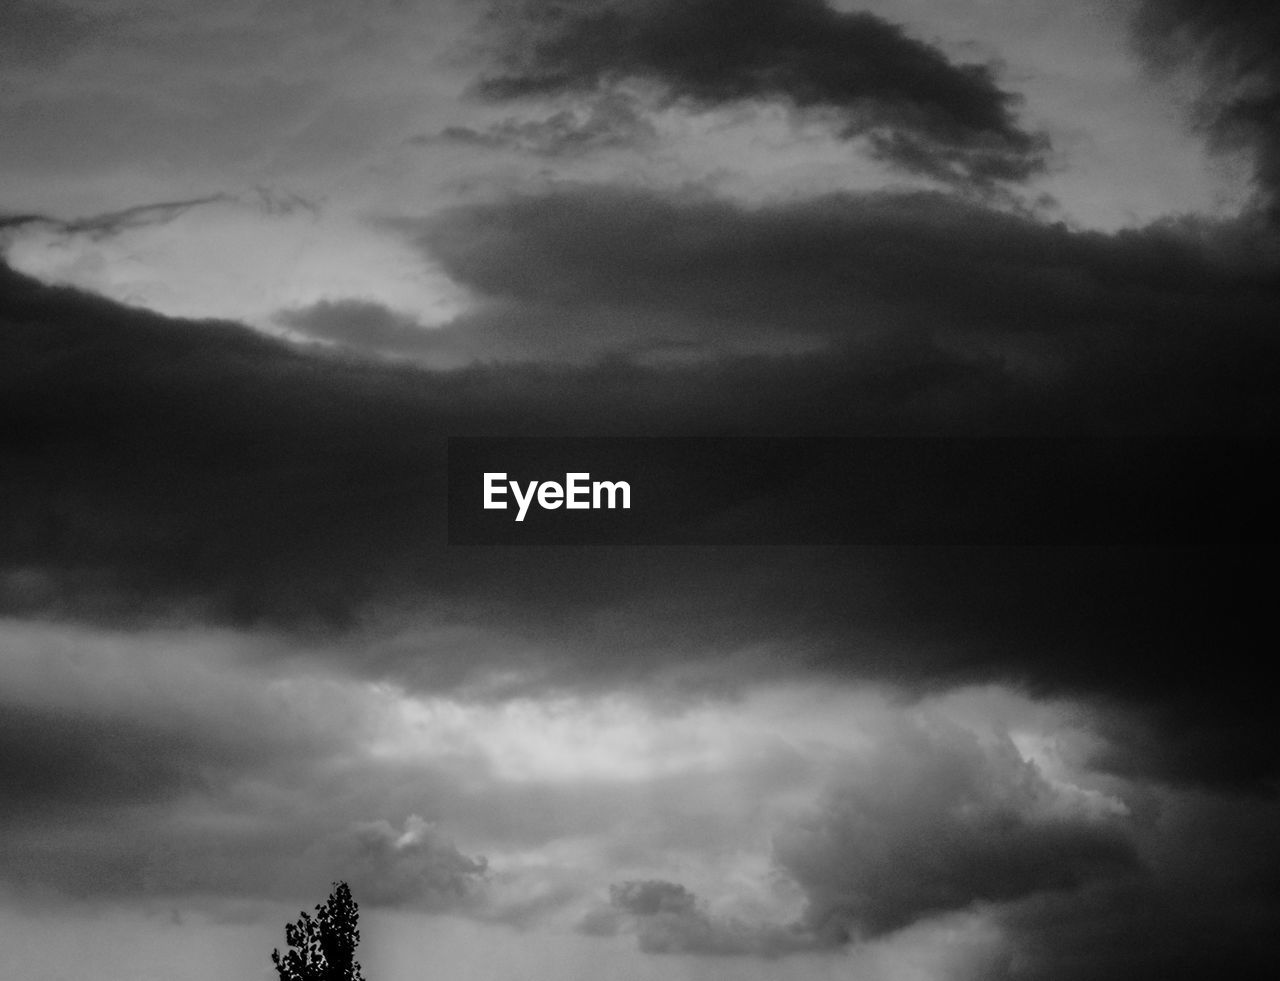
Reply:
x=259 y=259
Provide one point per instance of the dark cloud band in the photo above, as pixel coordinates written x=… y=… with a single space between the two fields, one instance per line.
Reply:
x=919 y=109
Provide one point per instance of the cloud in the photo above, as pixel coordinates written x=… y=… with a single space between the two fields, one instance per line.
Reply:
x=850 y=269
x=668 y=919
x=98 y=721
x=936 y=822
x=48 y=762
x=157 y=468
x=365 y=326
x=40 y=32
x=231 y=846
x=176 y=763
x=652 y=896
x=111 y=223
x=1200 y=910
x=415 y=866
x=612 y=120
x=917 y=108
x=240 y=661
x=211 y=772
x=235 y=257
x=924 y=820
x=1234 y=46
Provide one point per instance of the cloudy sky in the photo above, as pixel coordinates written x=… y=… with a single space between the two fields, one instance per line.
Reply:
x=260 y=258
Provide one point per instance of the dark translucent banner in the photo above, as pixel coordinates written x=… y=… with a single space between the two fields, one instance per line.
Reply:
x=860 y=491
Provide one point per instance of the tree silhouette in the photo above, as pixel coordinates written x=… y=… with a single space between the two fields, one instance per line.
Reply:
x=324 y=946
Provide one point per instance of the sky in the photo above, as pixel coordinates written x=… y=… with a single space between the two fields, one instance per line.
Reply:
x=258 y=260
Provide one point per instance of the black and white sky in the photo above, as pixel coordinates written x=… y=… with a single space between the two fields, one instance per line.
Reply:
x=258 y=259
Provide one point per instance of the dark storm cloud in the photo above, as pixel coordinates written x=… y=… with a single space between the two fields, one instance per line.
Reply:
x=1176 y=743
x=921 y=288
x=918 y=109
x=1136 y=931
x=197 y=472
x=155 y=467
x=1235 y=44
x=938 y=824
x=1204 y=907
